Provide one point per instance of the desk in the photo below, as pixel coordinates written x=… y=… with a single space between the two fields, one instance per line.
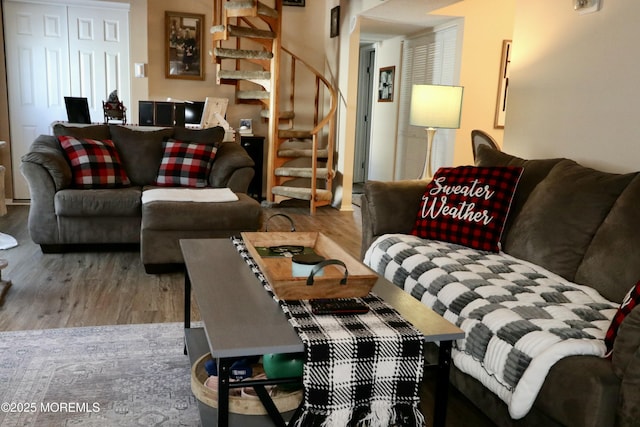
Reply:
x=241 y=319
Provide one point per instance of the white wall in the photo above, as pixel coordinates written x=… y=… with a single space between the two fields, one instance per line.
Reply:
x=573 y=90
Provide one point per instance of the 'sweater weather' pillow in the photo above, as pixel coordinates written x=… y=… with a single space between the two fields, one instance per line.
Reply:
x=94 y=164
x=628 y=303
x=467 y=205
x=185 y=164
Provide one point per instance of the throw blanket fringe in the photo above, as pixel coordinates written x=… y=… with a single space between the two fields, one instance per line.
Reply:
x=379 y=414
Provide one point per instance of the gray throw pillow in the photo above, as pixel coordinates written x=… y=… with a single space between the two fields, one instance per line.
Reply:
x=210 y=136
x=559 y=219
x=140 y=152
x=533 y=172
x=610 y=264
x=97 y=132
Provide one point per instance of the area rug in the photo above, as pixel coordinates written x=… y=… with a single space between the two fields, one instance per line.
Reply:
x=127 y=375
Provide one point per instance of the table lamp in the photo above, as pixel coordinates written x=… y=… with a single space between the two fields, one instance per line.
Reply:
x=435 y=106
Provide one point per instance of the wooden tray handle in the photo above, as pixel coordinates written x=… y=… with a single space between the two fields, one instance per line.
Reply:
x=266 y=223
x=322 y=264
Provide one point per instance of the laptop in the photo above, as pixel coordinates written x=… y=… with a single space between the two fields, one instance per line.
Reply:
x=77 y=110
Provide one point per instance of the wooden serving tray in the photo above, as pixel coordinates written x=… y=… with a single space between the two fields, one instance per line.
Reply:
x=278 y=270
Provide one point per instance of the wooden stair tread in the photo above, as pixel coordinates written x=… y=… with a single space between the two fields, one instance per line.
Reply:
x=294 y=148
x=284 y=115
x=237 y=31
x=294 y=133
x=241 y=53
x=252 y=94
x=244 y=74
x=300 y=152
x=262 y=8
x=302 y=172
x=301 y=193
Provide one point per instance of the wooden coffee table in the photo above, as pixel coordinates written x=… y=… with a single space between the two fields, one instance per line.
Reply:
x=241 y=319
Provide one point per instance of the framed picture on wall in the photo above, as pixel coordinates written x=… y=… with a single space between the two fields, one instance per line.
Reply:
x=184 y=46
x=293 y=3
x=503 y=85
x=334 y=31
x=385 y=84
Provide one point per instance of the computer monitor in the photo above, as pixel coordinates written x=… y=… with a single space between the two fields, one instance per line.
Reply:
x=193 y=112
x=77 y=110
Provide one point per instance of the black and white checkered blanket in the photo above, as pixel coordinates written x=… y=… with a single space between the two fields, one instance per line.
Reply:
x=519 y=319
x=361 y=370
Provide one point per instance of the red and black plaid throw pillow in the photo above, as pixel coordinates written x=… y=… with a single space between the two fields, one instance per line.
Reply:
x=467 y=205
x=628 y=303
x=185 y=164
x=94 y=164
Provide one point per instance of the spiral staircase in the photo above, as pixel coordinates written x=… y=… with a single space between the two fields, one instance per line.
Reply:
x=247 y=51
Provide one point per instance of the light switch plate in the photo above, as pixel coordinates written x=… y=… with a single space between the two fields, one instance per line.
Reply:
x=140 y=69
x=586 y=6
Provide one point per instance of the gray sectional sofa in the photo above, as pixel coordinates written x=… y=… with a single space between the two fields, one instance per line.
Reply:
x=64 y=217
x=579 y=223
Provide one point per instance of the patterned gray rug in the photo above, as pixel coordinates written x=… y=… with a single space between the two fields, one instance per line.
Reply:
x=128 y=375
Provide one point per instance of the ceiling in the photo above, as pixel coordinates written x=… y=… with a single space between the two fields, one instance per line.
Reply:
x=394 y=18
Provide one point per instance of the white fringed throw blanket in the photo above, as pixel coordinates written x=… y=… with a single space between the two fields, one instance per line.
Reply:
x=519 y=319
x=360 y=370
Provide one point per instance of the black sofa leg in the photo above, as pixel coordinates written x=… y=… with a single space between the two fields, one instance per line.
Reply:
x=163 y=268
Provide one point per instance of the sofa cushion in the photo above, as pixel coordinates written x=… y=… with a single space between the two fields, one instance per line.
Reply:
x=185 y=164
x=94 y=164
x=561 y=216
x=534 y=172
x=467 y=205
x=603 y=267
x=120 y=202
x=628 y=303
x=140 y=151
x=98 y=132
x=212 y=136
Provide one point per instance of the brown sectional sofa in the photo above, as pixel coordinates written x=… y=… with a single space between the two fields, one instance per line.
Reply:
x=581 y=224
x=63 y=217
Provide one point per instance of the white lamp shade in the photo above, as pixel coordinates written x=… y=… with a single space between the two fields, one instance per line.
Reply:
x=436 y=106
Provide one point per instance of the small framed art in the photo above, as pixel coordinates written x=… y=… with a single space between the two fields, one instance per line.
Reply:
x=385 y=84
x=335 y=22
x=503 y=85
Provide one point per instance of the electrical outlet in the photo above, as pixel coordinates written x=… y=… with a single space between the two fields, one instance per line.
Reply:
x=586 y=6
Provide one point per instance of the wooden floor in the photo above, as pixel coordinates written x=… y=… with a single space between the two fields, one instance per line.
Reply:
x=108 y=288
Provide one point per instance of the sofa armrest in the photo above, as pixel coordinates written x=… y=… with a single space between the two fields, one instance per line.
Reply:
x=42 y=223
x=46 y=153
x=233 y=168
x=626 y=365
x=389 y=207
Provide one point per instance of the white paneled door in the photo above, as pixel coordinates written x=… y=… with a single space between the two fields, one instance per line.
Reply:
x=99 y=56
x=57 y=50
